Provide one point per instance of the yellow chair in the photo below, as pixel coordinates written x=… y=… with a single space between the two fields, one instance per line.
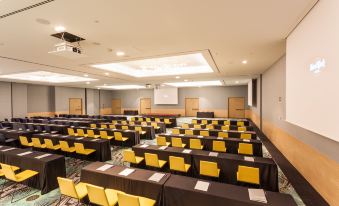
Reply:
x=177 y=142
x=131 y=200
x=101 y=196
x=114 y=122
x=185 y=126
x=118 y=137
x=104 y=135
x=178 y=164
x=189 y=132
x=93 y=126
x=157 y=120
x=69 y=189
x=111 y=126
x=204 y=121
x=143 y=123
x=167 y=121
x=219 y=146
x=175 y=131
x=155 y=125
x=14 y=168
x=104 y=126
x=132 y=123
x=139 y=129
x=24 y=141
x=209 y=169
x=196 y=144
x=148 y=119
x=245 y=136
x=205 y=133
x=49 y=145
x=242 y=129
x=90 y=133
x=215 y=122
x=161 y=141
x=71 y=132
x=240 y=124
x=248 y=175
x=223 y=134
x=133 y=119
x=194 y=121
x=210 y=126
x=152 y=160
x=37 y=144
x=124 y=127
x=245 y=148
x=81 y=133
x=227 y=122
x=140 y=119
x=65 y=147
x=197 y=126
x=10 y=175
x=225 y=127
x=129 y=156
x=80 y=149
x=123 y=122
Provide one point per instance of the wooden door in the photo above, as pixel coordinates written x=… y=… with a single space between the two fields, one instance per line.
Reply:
x=75 y=106
x=116 y=106
x=236 y=107
x=145 y=105
x=191 y=107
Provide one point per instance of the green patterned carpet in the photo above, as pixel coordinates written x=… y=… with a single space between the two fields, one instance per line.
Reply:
x=32 y=197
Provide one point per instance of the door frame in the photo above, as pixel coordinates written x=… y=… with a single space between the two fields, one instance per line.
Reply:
x=228 y=106
x=120 y=104
x=192 y=98
x=69 y=105
x=140 y=103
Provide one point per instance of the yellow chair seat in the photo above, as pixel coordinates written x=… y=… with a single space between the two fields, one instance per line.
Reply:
x=142 y=132
x=146 y=201
x=138 y=159
x=108 y=137
x=187 y=167
x=87 y=151
x=55 y=147
x=30 y=144
x=71 y=149
x=123 y=139
x=81 y=189
x=42 y=146
x=22 y=176
x=14 y=168
x=162 y=163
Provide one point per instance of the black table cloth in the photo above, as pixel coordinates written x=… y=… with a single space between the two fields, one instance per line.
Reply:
x=221 y=121
x=150 y=132
x=205 y=114
x=214 y=132
x=131 y=112
x=101 y=146
x=133 y=136
x=218 y=127
x=136 y=183
x=49 y=167
x=161 y=125
x=228 y=163
x=173 y=120
x=232 y=144
x=179 y=190
x=10 y=133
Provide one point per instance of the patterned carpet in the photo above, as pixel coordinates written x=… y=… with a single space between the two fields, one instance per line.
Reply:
x=32 y=197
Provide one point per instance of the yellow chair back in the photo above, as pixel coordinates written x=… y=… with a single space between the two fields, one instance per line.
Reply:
x=219 y=146
x=133 y=119
x=248 y=174
x=223 y=134
x=8 y=172
x=90 y=133
x=128 y=200
x=104 y=126
x=227 y=122
x=141 y=119
x=215 y=122
x=64 y=146
x=209 y=169
x=49 y=144
x=175 y=131
x=79 y=147
x=93 y=125
x=103 y=134
x=176 y=142
x=225 y=127
x=138 y=129
x=245 y=148
x=129 y=156
x=118 y=136
x=245 y=136
x=204 y=121
x=197 y=126
x=240 y=124
x=67 y=187
x=177 y=163
x=97 y=195
x=189 y=132
x=70 y=131
x=154 y=124
x=210 y=126
x=194 y=121
x=148 y=119
x=124 y=127
x=114 y=122
x=195 y=144
x=167 y=121
x=111 y=126
x=151 y=160
x=161 y=141
x=143 y=123
x=80 y=132
x=36 y=142
x=23 y=140
x=205 y=133
x=185 y=126
x=242 y=129
x=157 y=120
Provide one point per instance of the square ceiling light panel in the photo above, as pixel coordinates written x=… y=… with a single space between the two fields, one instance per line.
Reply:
x=163 y=66
x=195 y=84
x=121 y=87
x=45 y=76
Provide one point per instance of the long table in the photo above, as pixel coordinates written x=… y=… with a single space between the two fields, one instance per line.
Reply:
x=12 y=133
x=228 y=163
x=172 y=120
x=232 y=144
x=134 y=136
x=49 y=167
x=221 y=121
x=136 y=183
x=39 y=127
x=150 y=131
x=179 y=190
x=219 y=127
x=101 y=146
x=214 y=132
x=161 y=125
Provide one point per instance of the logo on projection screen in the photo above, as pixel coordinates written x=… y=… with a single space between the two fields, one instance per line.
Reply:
x=317 y=66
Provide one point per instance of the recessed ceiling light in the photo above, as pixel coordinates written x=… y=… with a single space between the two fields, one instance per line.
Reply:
x=244 y=61
x=237 y=82
x=185 y=80
x=195 y=84
x=105 y=84
x=120 y=53
x=59 y=28
x=45 y=76
x=106 y=73
x=122 y=87
x=85 y=75
x=177 y=77
x=88 y=82
x=161 y=66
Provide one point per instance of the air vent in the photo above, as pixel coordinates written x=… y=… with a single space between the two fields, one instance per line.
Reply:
x=68 y=37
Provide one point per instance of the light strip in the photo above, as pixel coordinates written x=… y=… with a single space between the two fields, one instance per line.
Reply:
x=195 y=84
x=121 y=87
x=45 y=76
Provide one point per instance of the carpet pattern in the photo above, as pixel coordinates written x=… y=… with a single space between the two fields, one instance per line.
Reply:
x=32 y=197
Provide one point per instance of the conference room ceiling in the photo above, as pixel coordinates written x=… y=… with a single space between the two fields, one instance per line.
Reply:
x=227 y=31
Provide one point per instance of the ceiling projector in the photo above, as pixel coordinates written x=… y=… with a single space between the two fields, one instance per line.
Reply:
x=67 y=50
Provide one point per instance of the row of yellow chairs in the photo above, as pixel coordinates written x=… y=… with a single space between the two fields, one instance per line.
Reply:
x=210 y=169
x=99 y=195
x=207 y=133
x=148 y=119
x=123 y=127
x=103 y=134
x=217 y=146
x=124 y=122
x=210 y=126
x=216 y=122
x=78 y=148
x=8 y=171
